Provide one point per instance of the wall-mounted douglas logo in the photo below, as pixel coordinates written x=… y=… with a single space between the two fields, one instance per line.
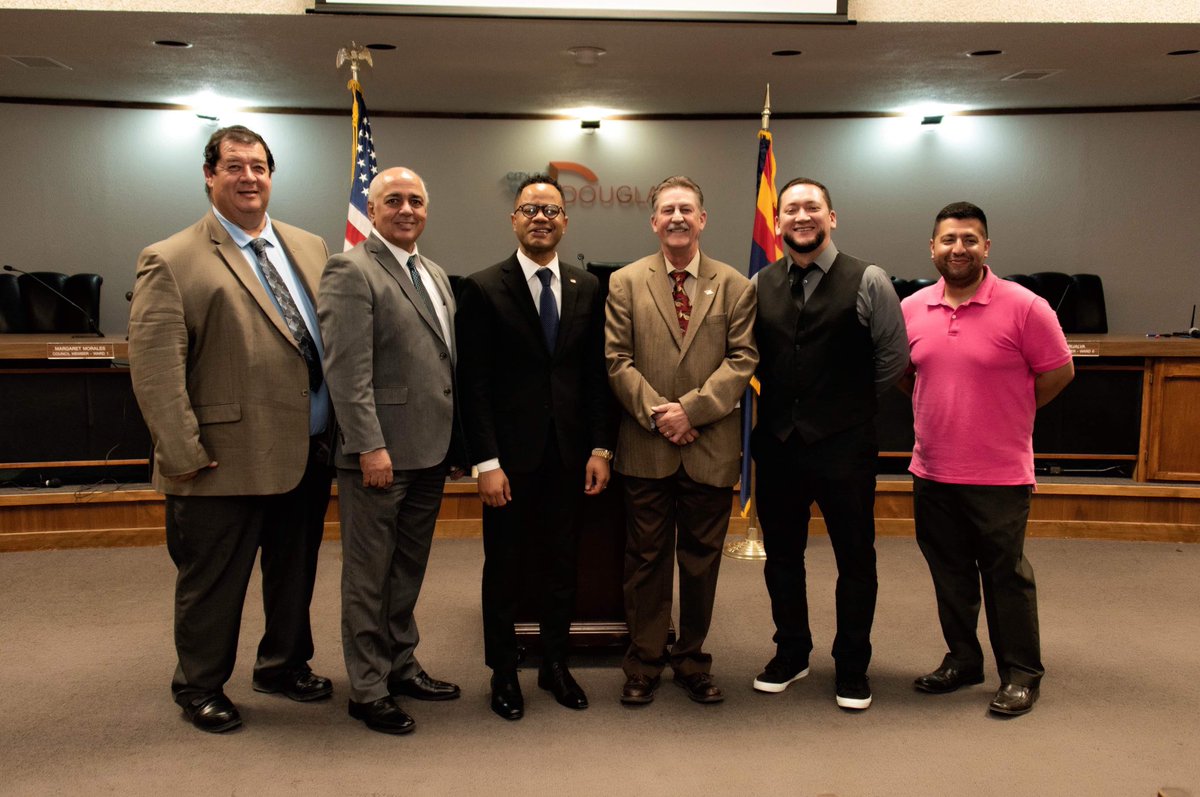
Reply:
x=593 y=192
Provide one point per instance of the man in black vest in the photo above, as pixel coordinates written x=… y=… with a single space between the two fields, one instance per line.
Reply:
x=831 y=338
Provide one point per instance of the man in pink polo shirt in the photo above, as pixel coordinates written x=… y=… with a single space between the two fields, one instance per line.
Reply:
x=986 y=353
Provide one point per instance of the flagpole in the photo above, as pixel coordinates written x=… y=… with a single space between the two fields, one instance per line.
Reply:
x=751 y=546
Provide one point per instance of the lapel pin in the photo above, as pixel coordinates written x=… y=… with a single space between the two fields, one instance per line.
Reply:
x=572 y=280
x=708 y=292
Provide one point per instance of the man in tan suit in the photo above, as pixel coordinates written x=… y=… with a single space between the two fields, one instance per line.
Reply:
x=679 y=343
x=225 y=355
x=387 y=314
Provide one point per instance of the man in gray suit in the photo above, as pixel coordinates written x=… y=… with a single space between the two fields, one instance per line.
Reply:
x=387 y=319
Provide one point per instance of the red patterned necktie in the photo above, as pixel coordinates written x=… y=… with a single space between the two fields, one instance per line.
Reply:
x=683 y=307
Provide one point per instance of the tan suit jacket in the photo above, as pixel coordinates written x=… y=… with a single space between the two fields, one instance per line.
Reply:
x=216 y=372
x=650 y=362
x=389 y=369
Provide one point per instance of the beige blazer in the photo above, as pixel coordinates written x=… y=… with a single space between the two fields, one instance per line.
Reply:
x=215 y=370
x=650 y=362
x=389 y=369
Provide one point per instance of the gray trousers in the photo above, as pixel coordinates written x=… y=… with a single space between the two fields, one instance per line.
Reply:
x=386 y=536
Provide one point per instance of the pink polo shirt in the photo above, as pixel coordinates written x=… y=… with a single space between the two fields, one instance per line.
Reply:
x=973 y=400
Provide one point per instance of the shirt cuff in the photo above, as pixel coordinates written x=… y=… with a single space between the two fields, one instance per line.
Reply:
x=488 y=464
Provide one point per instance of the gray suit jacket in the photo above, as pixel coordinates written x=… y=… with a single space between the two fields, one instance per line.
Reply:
x=216 y=372
x=650 y=362
x=390 y=372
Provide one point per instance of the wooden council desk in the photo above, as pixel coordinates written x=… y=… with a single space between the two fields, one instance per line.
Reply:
x=67 y=402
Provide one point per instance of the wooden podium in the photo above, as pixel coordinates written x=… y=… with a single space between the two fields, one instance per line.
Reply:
x=599 y=619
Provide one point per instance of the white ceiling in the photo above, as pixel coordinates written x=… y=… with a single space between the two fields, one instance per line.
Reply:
x=519 y=67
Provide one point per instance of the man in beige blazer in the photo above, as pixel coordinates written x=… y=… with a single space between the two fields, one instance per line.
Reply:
x=225 y=355
x=387 y=316
x=679 y=343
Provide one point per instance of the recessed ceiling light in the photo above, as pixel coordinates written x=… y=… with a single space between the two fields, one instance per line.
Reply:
x=586 y=54
x=984 y=53
x=1183 y=52
x=173 y=43
x=786 y=53
x=381 y=46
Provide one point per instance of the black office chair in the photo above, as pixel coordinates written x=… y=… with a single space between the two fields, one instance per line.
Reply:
x=41 y=305
x=84 y=290
x=12 y=312
x=1090 y=312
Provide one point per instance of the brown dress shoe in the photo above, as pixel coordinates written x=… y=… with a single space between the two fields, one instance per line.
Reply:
x=1014 y=699
x=639 y=690
x=700 y=687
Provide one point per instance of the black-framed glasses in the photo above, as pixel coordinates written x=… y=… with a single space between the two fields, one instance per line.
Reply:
x=529 y=210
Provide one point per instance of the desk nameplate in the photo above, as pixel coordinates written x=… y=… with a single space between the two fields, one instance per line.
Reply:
x=80 y=351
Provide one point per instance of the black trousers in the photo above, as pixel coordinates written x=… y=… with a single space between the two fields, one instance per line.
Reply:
x=531 y=548
x=973 y=534
x=838 y=473
x=213 y=541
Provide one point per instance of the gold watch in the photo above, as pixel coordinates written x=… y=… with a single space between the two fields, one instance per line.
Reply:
x=603 y=453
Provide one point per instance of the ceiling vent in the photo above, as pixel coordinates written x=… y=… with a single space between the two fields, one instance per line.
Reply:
x=1032 y=74
x=37 y=62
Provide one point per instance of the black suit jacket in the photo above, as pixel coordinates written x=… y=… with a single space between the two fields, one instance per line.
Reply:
x=513 y=390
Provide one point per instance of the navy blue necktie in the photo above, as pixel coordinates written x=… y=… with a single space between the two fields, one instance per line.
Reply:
x=548 y=309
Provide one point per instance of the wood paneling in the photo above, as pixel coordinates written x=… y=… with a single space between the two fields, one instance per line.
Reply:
x=50 y=519
x=1173 y=452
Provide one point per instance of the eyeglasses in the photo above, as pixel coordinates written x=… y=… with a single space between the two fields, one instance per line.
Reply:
x=531 y=210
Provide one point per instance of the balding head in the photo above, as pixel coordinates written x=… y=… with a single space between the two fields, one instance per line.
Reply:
x=397 y=202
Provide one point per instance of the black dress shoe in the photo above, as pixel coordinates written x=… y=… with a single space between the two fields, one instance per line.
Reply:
x=556 y=679
x=214 y=713
x=700 y=687
x=301 y=685
x=423 y=687
x=383 y=715
x=639 y=690
x=945 y=679
x=507 y=700
x=1014 y=699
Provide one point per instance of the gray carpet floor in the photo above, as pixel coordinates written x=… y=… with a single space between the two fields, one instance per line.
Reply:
x=86 y=659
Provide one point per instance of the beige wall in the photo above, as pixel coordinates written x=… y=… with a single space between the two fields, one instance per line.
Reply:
x=84 y=189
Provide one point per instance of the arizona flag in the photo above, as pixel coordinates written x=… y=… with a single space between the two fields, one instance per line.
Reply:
x=362 y=170
x=765 y=248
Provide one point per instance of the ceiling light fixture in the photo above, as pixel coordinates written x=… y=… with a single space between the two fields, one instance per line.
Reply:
x=586 y=54
x=984 y=53
x=1183 y=52
x=381 y=47
x=786 y=53
x=182 y=45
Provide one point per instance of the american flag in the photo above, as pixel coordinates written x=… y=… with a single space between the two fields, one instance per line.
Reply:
x=363 y=170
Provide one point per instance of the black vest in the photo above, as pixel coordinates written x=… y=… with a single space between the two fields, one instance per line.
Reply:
x=816 y=367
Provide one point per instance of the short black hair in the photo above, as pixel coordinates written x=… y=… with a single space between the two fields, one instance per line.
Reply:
x=805 y=181
x=240 y=135
x=960 y=210
x=538 y=179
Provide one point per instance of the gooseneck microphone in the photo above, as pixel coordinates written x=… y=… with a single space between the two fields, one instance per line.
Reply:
x=91 y=322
